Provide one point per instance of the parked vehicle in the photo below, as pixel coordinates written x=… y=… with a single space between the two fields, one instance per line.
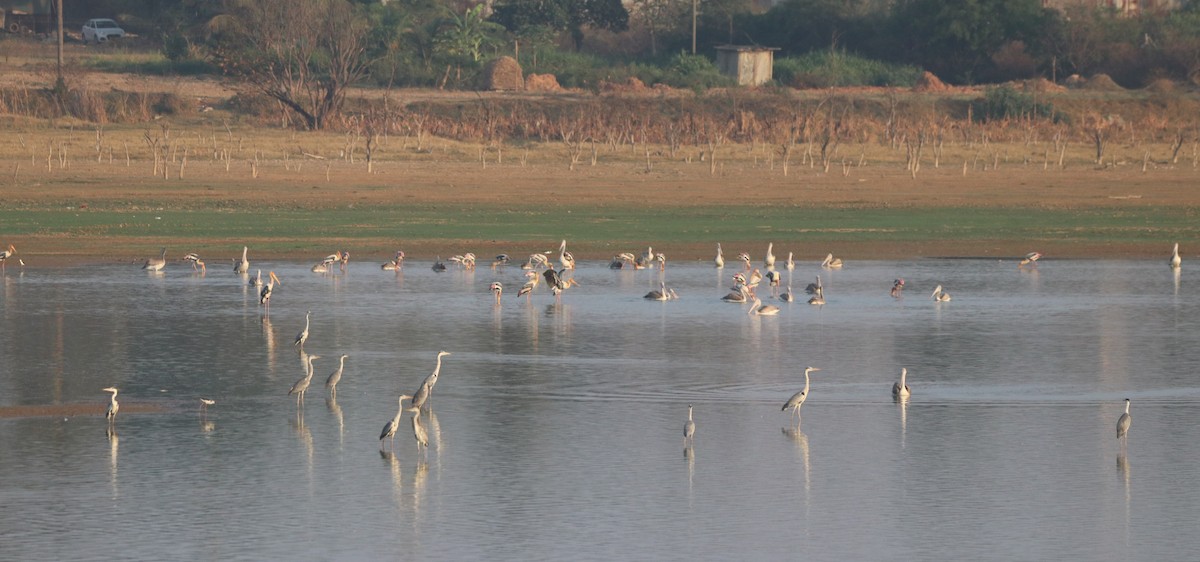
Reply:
x=99 y=30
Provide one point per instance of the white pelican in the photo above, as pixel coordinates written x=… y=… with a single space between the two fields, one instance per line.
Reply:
x=264 y=296
x=939 y=295
x=257 y=281
x=831 y=262
x=1175 y=259
x=389 y=428
x=897 y=287
x=760 y=309
x=301 y=386
x=395 y=263
x=196 y=261
x=1122 y=422
x=564 y=257
x=798 y=398
x=496 y=288
x=10 y=252
x=719 y=261
x=303 y=335
x=769 y=259
x=244 y=265
x=321 y=267
x=818 y=297
x=689 y=427
x=336 y=377
x=1030 y=258
x=157 y=264
x=113 y=406
x=900 y=389
x=745 y=260
x=791 y=265
x=812 y=288
x=739 y=295
x=787 y=296
x=662 y=294
x=754 y=279
x=204 y=404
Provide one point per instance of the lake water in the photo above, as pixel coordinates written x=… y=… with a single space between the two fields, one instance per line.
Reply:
x=556 y=427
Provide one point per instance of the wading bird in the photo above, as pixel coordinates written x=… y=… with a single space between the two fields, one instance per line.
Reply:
x=745 y=258
x=760 y=309
x=1175 y=262
x=194 y=258
x=529 y=285
x=564 y=257
x=113 y=406
x=798 y=398
x=897 y=288
x=1122 y=423
x=395 y=263
x=301 y=386
x=662 y=294
x=157 y=264
x=389 y=428
x=719 y=261
x=554 y=280
x=900 y=388
x=773 y=279
x=426 y=389
x=689 y=427
x=497 y=289
x=244 y=265
x=264 y=296
x=204 y=404
x=420 y=435
x=940 y=296
x=1030 y=258
x=791 y=265
x=303 y=335
x=818 y=297
x=336 y=377
x=438 y=266
x=10 y=252
x=769 y=259
x=813 y=287
x=257 y=281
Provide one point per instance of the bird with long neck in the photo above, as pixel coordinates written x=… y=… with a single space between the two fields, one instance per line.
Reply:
x=389 y=428
x=303 y=335
x=798 y=398
x=564 y=257
x=497 y=289
x=1176 y=261
x=336 y=377
x=719 y=261
x=769 y=259
x=900 y=389
x=264 y=296
x=420 y=434
x=760 y=309
x=301 y=386
x=113 y=406
x=1123 y=423
x=157 y=264
x=242 y=266
x=689 y=427
x=10 y=252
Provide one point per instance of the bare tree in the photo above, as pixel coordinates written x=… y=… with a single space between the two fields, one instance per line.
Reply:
x=303 y=53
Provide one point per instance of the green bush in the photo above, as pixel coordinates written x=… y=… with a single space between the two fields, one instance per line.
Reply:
x=824 y=69
x=1004 y=102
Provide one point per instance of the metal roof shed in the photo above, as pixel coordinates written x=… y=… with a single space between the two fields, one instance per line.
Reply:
x=749 y=65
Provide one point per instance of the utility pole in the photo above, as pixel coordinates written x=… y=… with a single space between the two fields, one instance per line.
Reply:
x=695 y=8
x=59 y=84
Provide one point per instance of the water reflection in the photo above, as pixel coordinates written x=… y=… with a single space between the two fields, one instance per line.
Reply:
x=336 y=410
x=114 y=443
x=1123 y=471
x=800 y=439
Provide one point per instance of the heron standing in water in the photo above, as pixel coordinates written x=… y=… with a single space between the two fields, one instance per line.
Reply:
x=1122 y=424
x=426 y=389
x=301 y=386
x=389 y=428
x=303 y=335
x=113 y=406
x=336 y=377
x=797 y=399
x=689 y=427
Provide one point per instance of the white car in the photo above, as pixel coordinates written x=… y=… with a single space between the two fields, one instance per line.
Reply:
x=99 y=30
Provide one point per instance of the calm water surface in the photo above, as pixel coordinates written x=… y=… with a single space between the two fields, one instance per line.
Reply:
x=556 y=428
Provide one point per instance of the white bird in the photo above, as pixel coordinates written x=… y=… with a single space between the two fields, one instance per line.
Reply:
x=1030 y=258
x=257 y=281
x=831 y=262
x=940 y=296
x=798 y=398
x=389 y=428
x=1176 y=261
x=900 y=389
x=204 y=404
x=1122 y=422
x=689 y=428
x=564 y=257
x=662 y=294
x=10 y=252
x=194 y=258
x=264 y=296
x=157 y=264
x=719 y=261
x=394 y=264
x=818 y=297
x=496 y=288
x=760 y=309
x=769 y=259
x=791 y=265
x=303 y=335
x=244 y=265
x=745 y=260
x=336 y=377
x=113 y=406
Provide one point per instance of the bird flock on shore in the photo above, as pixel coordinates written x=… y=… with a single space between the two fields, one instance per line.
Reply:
x=745 y=290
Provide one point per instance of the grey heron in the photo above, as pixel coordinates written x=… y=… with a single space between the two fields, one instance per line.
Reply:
x=303 y=335
x=1176 y=261
x=389 y=428
x=798 y=398
x=900 y=389
x=1123 y=423
x=301 y=386
x=420 y=435
x=113 y=406
x=157 y=264
x=426 y=389
x=336 y=377
x=689 y=427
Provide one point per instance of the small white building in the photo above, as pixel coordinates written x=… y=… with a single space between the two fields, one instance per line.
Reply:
x=749 y=65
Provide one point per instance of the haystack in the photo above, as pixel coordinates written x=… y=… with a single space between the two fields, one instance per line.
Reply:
x=1041 y=85
x=929 y=83
x=1075 y=81
x=542 y=83
x=503 y=73
x=1102 y=83
x=1161 y=86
